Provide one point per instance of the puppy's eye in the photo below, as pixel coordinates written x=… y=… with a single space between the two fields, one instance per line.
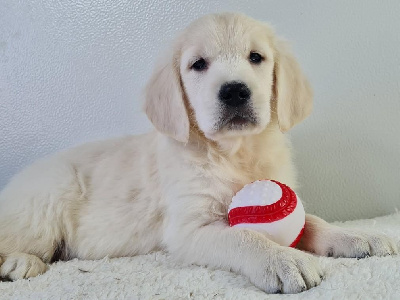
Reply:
x=255 y=58
x=199 y=65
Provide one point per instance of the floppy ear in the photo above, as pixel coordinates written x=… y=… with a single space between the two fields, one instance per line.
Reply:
x=292 y=90
x=164 y=103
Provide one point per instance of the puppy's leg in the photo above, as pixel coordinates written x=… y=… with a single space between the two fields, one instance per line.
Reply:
x=193 y=237
x=325 y=239
x=22 y=265
x=36 y=215
x=36 y=250
x=17 y=240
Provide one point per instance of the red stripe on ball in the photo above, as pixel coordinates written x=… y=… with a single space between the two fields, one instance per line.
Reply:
x=297 y=239
x=265 y=213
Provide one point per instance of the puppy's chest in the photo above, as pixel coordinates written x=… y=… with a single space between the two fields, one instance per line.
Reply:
x=229 y=180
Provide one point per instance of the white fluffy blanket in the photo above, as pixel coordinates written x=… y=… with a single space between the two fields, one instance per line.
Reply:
x=157 y=276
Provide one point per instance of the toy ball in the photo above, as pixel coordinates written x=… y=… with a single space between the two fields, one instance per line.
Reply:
x=269 y=206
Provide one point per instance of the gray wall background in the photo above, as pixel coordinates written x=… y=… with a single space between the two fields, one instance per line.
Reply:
x=73 y=71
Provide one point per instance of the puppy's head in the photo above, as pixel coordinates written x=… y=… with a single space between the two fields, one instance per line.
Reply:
x=233 y=73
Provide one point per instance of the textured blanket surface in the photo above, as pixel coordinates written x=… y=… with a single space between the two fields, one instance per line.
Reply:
x=157 y=276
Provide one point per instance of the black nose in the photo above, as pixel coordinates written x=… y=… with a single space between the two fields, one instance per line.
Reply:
x=234 y=93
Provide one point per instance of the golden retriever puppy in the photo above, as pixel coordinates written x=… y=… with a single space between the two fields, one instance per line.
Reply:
x=221 y=100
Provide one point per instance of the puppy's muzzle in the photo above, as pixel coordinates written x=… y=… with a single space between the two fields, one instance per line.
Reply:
x=236 y=111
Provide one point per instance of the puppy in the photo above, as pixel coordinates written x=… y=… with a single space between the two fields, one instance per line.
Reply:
x=220 y=101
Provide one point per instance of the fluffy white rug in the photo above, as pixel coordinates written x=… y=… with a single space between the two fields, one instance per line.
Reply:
x=156 y=276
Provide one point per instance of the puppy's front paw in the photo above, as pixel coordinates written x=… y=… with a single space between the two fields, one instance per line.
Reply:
x=285 y=270
x=339 y=242
x=22 y=265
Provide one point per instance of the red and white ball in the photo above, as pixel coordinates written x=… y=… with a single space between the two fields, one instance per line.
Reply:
x=270 y=206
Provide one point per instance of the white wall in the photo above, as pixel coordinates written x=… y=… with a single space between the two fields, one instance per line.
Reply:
x=72 y=71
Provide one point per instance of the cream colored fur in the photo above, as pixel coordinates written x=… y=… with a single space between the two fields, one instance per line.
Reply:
x=170 y=189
